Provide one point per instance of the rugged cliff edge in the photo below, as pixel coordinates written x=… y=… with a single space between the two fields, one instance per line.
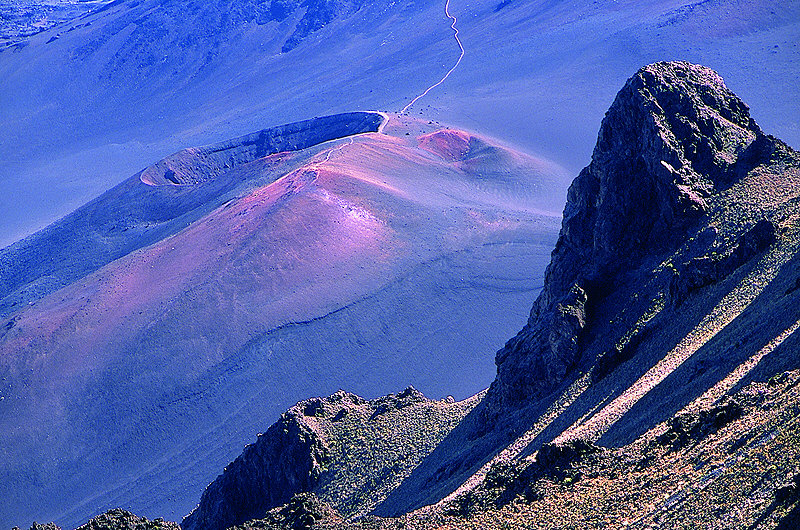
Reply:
x=347 y=450
x=285 y=460
x=670 y=299
x=197 y=164
x=674 y=136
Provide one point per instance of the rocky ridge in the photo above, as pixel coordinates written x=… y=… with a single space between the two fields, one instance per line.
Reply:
x=682 y=232
x=347 y=450
x=116 y=519
x=287 y=459
x=686 y=199
x=723 y=481
x=198 y=164
x=674 y=136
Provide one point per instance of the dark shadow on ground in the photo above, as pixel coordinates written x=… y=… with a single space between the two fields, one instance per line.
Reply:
x=453 y=461
x=664 y=332
x=790 y=521
x=461 y=453
x=770 y=314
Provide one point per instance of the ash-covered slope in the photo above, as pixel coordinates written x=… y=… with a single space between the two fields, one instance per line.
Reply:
x=88 y=103
x=155 y=203
x=248 y=281
x=648 y=384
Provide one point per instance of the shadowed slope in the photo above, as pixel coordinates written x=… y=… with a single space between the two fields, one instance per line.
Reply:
x=638 y=321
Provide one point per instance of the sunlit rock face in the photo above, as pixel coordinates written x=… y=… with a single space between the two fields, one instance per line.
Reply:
x=674 y=137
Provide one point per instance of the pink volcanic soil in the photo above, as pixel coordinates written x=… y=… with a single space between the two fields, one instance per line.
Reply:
x=321 y=236
x=452 y=145
x=283 y=252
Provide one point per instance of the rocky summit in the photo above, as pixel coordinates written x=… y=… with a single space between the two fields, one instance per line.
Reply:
x=655 y=384
x=674 y=137
x=344 y=449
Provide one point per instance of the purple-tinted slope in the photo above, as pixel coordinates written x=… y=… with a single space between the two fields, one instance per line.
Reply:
x=141 y=210
x=323 y=268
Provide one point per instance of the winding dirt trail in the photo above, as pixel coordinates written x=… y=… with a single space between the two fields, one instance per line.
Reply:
x=443 y=79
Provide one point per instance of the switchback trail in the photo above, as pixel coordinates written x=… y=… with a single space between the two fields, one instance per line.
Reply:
x=442 y=80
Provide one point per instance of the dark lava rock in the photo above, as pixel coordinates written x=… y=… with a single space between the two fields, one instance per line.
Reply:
x=119 y=519
x=706 y=270
x=502 y=484
x=116 y=519
x=303 y=512
x=555 y=457
x=687 y=428
x=609 y=360
x=507 y=481
x=37 y=526
x=407 y=397
x=288 y=459
x=673 y=137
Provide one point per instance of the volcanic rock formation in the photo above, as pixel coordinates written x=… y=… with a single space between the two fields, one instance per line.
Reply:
x=656 y=381
x=128 y=216
x=674 y=136
x=345 y=449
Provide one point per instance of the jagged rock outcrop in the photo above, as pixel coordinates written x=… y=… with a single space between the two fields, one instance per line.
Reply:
x=706 y=270
x=116 y=519
x=673 y=137
x=689 y=427
x=119 y=519
x=303 y=512
x=39 y=526
x=287 y=459
x=342 y=450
